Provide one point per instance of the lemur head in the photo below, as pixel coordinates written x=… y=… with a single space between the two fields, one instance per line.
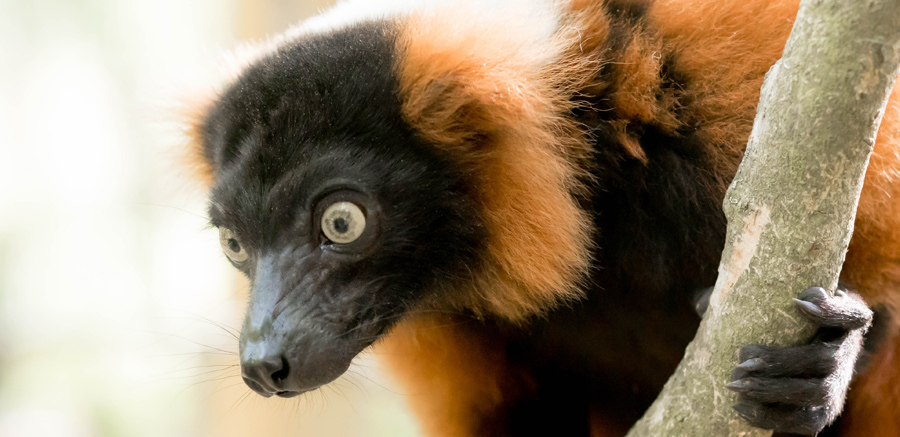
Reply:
x=335 y=209
x=365 y=173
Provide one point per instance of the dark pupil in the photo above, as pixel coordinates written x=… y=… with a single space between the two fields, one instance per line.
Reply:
x=234 y=245
x=341 y=225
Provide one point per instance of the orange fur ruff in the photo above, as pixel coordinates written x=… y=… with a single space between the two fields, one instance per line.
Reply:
x=494 y=99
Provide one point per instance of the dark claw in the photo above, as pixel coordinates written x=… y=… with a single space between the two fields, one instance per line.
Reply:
x=738 y=386
x=809 y=308
x=814 y=294
x=751 y=365
x=747 y=368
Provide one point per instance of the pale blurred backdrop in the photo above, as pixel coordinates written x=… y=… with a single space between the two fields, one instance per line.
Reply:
x=117 y=308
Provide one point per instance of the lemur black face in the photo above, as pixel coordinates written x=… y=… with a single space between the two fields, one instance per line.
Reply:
x=332 y=206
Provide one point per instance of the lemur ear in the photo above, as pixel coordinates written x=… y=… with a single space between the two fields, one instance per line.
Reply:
x=191 y=114
x=194 y=103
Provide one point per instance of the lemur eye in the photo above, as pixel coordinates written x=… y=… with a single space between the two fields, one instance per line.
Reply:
x=343 y=222
x=231 y=246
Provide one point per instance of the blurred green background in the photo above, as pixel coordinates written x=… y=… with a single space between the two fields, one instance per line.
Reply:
x=117 y=308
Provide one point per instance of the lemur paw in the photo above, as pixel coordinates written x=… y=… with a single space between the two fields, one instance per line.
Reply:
x=801 y=389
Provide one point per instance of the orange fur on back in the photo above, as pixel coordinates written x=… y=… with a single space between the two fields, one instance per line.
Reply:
x=724 y=49
x=873 y=261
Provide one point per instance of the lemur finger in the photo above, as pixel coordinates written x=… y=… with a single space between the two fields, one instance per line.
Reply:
x=783 y=418
x=701 y=300
x=815 y=360
x=843 y=310
x=792 y=391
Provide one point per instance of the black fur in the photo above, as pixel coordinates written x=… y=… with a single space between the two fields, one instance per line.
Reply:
x=631 y=11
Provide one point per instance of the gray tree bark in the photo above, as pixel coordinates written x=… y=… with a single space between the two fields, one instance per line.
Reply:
x=791 y=206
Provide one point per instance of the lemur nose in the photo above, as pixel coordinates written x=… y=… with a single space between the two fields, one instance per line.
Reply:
x=266 y=374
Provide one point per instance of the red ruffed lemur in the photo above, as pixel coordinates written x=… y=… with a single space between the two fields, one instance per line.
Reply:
x=518 y=202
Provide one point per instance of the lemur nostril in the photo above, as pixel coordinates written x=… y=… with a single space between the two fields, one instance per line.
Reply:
x=281 y=374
